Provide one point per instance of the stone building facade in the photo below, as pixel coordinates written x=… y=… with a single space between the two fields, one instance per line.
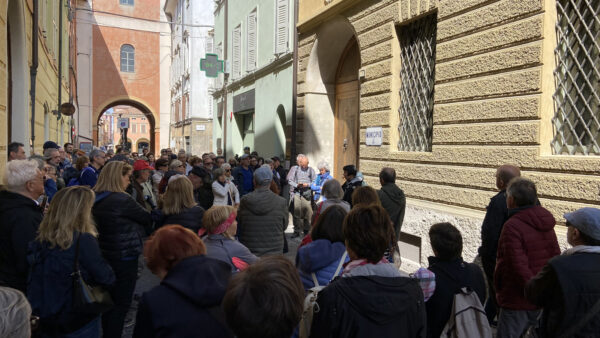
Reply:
x=17 y=123
x=503 y=89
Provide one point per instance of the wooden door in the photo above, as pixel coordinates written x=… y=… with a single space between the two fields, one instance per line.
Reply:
x=346 y=130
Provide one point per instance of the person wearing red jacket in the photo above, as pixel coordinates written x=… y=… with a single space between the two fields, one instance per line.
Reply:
x=527 y=242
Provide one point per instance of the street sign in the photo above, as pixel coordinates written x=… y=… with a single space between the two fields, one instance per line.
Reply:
x=124 y=123
x=211 y=65
x=374 y=136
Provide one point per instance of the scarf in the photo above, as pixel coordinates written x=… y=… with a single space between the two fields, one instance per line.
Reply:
x=360 y=262
x=221 y=228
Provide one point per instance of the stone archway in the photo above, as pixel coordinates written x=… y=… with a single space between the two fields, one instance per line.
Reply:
x=330 y=48
x=18 y=74
x=148 y=112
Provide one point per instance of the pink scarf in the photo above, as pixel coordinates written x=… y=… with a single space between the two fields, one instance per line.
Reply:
x=221 y=228
x=360 y=262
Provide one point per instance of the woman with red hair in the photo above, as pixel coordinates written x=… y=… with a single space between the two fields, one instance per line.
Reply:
x=187 y=303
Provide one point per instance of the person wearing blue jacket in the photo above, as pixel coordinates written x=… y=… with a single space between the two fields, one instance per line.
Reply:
x=322 y=177
x=67 y=231
x=326 y=253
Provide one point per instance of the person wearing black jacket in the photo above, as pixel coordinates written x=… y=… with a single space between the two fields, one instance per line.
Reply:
x=451 y=274
x=495 y=217
x=187 y=303
x=372 y=298
x=121 y=223
x=178 y=206
x=392 y=198
x=20 y=217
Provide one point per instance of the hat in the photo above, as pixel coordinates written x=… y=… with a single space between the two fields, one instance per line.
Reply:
x=586 y=220
x=141 y=165
x=50 y=144
x=275 y=158
x=263 y=176
x=244 y=156
x=200 y=172
x=246 y=147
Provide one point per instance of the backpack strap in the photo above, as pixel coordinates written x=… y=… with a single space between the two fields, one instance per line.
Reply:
x=341 y=264
x=583 y=321
x=314 y=278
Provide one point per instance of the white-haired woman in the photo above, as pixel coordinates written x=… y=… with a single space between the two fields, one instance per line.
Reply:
x=224 y=191
x=322 y=177
x=67 y=233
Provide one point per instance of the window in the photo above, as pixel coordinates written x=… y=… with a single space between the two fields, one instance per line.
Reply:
x=237 y=51
x=126 y=2
x=281 y=26
x=127 y=58
x=133 y=128
x=417 y=76
x=143 y=128
x=251 y=42
x=209 y=44
x=576 y=118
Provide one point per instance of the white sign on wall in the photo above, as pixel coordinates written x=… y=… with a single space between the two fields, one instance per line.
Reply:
x=200 y=127
x=374 y=136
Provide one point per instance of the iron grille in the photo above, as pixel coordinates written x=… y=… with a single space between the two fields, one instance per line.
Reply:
x=417 y=48
x=577 y=78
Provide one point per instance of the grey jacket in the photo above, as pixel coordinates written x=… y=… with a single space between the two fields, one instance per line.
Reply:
x=225 y=249
x=262 y=219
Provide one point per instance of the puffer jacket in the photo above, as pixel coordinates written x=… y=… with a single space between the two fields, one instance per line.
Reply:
x=121 y=224
x=317 y=185
x=262 y=219
x=322 y=258
x=527 y=242
x=223 y=193
x=224 y=249
x=349 y=186
x=190 y=218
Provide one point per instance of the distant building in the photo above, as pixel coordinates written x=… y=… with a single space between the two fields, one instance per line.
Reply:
x=190 y=102
x=138 y=134
x=253 y=100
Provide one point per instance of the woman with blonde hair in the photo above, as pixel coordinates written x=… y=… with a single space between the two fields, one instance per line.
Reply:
x=66 y=232
x=178 y=206
x=221 y=226
x=122 y=223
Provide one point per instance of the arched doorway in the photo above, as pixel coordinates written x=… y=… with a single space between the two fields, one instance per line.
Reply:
x=346 y=137
x=18 y=98
x=142 y=123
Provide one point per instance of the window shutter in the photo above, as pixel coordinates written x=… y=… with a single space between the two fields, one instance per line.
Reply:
x=209 y=44
x=251 y=50
x=281 y=29
x=237 y=52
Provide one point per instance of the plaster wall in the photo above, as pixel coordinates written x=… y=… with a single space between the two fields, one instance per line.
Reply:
x=492 y=105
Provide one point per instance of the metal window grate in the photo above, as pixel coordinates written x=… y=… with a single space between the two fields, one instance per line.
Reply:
x=577 y=77
x=417 y=48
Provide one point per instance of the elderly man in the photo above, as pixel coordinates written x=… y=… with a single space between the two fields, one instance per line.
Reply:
x=262 y=217
x=16 y=151
x=20 y=217
x=242 y=176
x=568 y=287
x=300 y=178
x=392 y=198
x=89 y=175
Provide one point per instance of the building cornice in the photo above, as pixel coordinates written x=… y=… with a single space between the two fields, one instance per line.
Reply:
x=330 y=10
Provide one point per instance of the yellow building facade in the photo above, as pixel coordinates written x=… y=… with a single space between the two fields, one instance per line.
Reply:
x=454 y=89
x=16 y=61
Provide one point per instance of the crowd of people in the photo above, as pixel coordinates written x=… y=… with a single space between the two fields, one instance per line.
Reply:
x=213 y=231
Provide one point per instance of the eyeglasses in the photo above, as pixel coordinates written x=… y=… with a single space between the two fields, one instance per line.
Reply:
x=228 y=170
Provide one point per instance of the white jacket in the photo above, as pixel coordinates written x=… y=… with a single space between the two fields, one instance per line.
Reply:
x=220 y=193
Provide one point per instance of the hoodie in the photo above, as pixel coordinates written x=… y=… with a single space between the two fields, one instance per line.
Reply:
x=394 y=202
x=187 y=303
x=320 y=257
x=349 y=186
x=367 y=304
x=527 y=242
x=20 y=218
x=262 y=219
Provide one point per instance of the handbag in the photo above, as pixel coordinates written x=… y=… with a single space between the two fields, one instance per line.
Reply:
x=86 y=298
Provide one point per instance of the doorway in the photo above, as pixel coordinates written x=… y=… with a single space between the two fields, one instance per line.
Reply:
x=346 y=125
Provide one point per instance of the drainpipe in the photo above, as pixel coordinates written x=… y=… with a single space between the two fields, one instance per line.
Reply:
x=225 y=78
x=33 y=70
x=295 y=87
x=60 y=56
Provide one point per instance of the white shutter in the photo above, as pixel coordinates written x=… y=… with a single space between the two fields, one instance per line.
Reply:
x=209 y=44
x=237 y=52
x=281 y=26
x=251 y=50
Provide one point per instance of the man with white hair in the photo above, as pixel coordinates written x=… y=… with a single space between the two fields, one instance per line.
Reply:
x=20 y=217
x=15 y=320
x=300 y=178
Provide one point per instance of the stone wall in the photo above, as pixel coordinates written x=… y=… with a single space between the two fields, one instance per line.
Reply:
x=493 y=105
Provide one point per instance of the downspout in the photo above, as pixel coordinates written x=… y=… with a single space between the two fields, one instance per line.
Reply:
x=295 y=87
x=60 y=56
x=225 y=78
x=33 y=69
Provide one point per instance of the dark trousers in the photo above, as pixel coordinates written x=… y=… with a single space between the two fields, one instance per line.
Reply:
x=491 y=308
x=122 y=293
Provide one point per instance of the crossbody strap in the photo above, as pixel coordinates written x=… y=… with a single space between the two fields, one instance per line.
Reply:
x=583 y=321
x=341 y=264
x=76 y=261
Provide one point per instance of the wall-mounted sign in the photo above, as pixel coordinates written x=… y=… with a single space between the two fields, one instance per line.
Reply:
x=124 y=123
x=374 y=136
x=200 y=127
x=211 y=65
x=243 y=101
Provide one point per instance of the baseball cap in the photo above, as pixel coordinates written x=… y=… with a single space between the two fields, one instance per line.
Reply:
x=586 y=220
x=244 y=156
x=141 y=165
x=246 y=147
x=263 y=175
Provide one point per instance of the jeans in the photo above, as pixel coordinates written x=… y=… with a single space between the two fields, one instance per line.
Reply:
x=90 y=330
x=514 y=323
x=302 y=214
x=122 y=293
x=491 y=308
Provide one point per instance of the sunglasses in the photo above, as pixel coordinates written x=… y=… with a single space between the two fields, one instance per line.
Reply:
x=228 y=170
